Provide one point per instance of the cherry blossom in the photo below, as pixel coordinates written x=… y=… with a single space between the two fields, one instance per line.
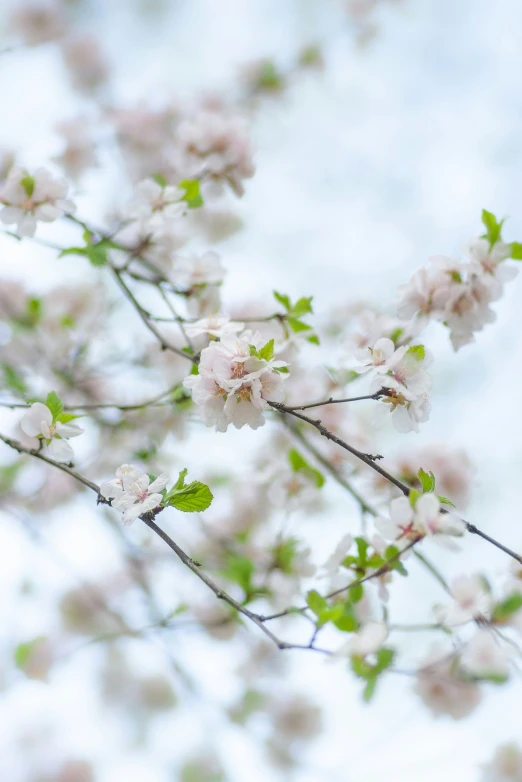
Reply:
x=333 y=563
x=28 y=198
x=471 y=598
x=365 y=641
x=441 y=689
x=217 y=146
x=39 y=422
x=133 y=493
x=156 y=203
x=233 y=386
x=506 y=765
x=485 y=656
x=425 y=518
x=216 y=326
x=379 y=356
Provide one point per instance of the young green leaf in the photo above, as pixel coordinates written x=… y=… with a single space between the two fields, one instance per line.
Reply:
x=192 y=498
x=427 y=480
x=493 y=227
x=55 y=404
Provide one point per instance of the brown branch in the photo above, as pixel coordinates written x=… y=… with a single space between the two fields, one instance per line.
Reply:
x=370 y=462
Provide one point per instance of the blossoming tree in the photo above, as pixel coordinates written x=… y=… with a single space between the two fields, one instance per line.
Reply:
x=111 y=387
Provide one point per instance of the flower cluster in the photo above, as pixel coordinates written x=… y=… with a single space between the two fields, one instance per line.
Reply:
x=401 y=379
x=132 y=492
x=28 y=198
x=410 y=521
x=237 y=377
x=459 y=294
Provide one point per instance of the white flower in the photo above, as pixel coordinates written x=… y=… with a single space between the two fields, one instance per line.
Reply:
x=27 y=199
x=133 y=493
x=441 y=689
x=471 y=601
x=407 y=523
x=154 y=203
x=193 y=271
x=39 y=422
x=333 y=563
x=483 y=656
x=216 y=326
x=379 y=356
x=365 y=641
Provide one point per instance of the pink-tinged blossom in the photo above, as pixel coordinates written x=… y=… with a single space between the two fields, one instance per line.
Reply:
x=458 y=294
x=378 y=357
x=38 y=422
x=506 y=765
x=154 y=203
x=234 y=387
x=215 y=326
x=405 y=385
x=86 y=62
x=28 y=198
x=440 y=688
x=37 y=22
x=217 y=147
x=426 y=518
x=486 y=656
x=365 y=641
x=196 y=270
x=133 y=493
x=471 y=600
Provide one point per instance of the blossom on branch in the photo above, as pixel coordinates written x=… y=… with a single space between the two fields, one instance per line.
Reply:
x=132 y=492
x=237 y=377
x=28 y=198
x=409 y=522
x=40 y=422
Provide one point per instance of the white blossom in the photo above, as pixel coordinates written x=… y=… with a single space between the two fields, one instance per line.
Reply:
x=233 y=386
x=132 y=492
x=365 y=641
x=39 y=422
x=506 y=765
x=484 y=656
x=29 y=198
x=216 y=326
x=426 y=518
x=471 y=601
x=441 y=689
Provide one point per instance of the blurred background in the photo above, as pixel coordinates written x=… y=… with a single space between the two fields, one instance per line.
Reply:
x=379 y=152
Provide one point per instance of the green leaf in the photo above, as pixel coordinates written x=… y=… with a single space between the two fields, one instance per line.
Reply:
x=267 y=351
x=427 y=480
x=240 y=570
x=55 y=404
x=299 y=464
x=492 y=226
x=181 y=480
x=64 y=418
x=28 y=184
x=298 y=325
x=384 y=657
x=160 y=180
x=192 y=195
x=413 y=496
x=356 y=593
x=281 y=369
x=506 y=608
x=193 y=498
x=516 y=251
x=316 y=602
x=369 y=690
x=445 y=500
x=283 y=299
x=13 y=379
x=23 y=651
x=314 y=339
x=362 y=548
x=417 y=352
x=302 y=307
